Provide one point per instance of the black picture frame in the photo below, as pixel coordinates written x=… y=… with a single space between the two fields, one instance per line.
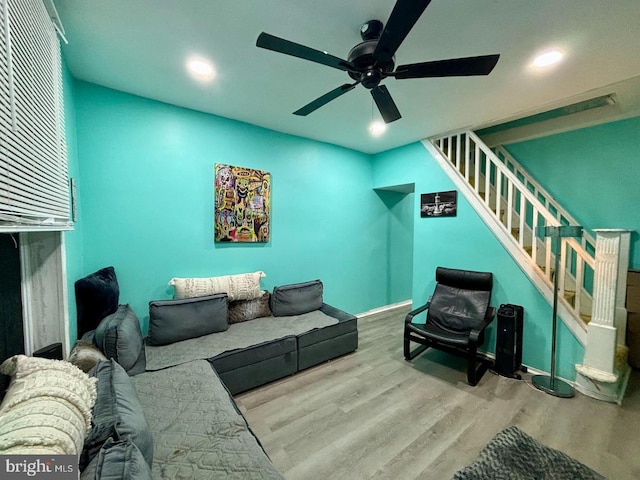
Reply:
x=439 y=204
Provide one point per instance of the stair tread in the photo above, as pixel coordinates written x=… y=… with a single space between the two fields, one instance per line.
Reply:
x=544 y=269
x=570 y=297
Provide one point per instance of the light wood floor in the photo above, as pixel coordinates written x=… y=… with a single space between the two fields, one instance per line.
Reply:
x=371 y=414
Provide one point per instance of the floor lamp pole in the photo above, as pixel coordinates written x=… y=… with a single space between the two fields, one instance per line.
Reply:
x=549 y=383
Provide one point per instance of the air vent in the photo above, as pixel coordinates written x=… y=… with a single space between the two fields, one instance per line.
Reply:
x=578 y=107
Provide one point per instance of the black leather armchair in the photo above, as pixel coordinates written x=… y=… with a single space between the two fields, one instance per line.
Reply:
x=458 y=313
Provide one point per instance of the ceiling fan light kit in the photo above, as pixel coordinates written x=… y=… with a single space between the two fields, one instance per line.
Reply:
x=377 y=128
x=373 y=60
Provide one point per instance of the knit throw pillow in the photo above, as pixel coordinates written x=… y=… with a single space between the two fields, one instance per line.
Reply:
x=245 y=286
x=47 y=408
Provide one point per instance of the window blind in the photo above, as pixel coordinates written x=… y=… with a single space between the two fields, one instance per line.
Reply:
x=34 y=182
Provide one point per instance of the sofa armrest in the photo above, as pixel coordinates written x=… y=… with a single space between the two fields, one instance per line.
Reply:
x=336 y=313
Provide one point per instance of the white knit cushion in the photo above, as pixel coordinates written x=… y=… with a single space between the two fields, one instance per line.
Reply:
x=47 y=408
x=245 y=286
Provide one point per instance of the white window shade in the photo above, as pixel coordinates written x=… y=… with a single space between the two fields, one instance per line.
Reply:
x=34 y=182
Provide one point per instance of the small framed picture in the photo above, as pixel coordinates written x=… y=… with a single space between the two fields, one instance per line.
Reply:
x=439 y=204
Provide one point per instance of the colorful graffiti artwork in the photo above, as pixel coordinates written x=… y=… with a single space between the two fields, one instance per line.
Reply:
x=242 y=204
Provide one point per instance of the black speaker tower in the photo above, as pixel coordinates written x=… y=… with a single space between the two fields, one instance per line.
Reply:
x=509 y=341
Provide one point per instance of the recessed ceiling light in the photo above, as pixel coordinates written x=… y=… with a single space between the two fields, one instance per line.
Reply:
x=377 y=128
x=548 y=58
x=201 y=69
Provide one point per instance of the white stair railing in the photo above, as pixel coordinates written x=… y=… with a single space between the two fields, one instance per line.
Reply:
x=587 y=241
x=518 y=212
x=563 y=216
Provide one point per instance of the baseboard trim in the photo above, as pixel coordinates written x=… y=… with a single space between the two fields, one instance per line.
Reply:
x=531 y=370
x=384 y=309
x=535 y=371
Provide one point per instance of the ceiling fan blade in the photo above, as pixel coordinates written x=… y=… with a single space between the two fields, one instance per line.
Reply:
x=287 y=47
x=324 y=99
x=385 y=104
x=402 y=19
x=454 y=67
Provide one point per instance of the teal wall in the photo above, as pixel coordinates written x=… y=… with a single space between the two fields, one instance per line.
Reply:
x=146 y=191
x=399 y=239
x=465 y=242
x=72 y=239
x=593 y=173
x=145 y=173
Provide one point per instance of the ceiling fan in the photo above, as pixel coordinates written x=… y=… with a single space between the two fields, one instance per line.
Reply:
x=372 y=60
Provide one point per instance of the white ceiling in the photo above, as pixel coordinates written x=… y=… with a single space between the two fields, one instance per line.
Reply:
x=140 y=46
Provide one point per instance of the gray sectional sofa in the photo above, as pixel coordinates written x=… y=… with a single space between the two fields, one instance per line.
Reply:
x=192 y=362
x=302 y=332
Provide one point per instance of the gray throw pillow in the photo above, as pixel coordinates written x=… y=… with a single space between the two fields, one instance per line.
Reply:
x=175 y=320
x=119 y=337
x=296 y=298
x=243 y=310
x=117 y=413
x=118 y=460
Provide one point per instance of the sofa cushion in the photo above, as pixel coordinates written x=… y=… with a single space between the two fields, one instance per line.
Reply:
x=118 y=460
x=243 y=310
x=117 y=413
x=457 y=312
x=119 y=337
x=47 y=408
x=171 y=321
x=244 y=286
x=97 y=296
x=85 y=355
x=199 y=431
x=238 y=336
x=296 y=298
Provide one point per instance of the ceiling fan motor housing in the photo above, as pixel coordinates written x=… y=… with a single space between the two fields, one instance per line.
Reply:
x=371 y=71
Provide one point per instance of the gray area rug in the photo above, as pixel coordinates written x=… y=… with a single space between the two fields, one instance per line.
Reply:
x=514 y=455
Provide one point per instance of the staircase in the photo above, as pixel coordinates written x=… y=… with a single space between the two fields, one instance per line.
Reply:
x=514 y=205
x=580 y=298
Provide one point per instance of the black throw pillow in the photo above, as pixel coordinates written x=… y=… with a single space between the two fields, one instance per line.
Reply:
x=97 y=296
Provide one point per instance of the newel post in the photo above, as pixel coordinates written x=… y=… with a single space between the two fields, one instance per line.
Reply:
x=604 y=372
